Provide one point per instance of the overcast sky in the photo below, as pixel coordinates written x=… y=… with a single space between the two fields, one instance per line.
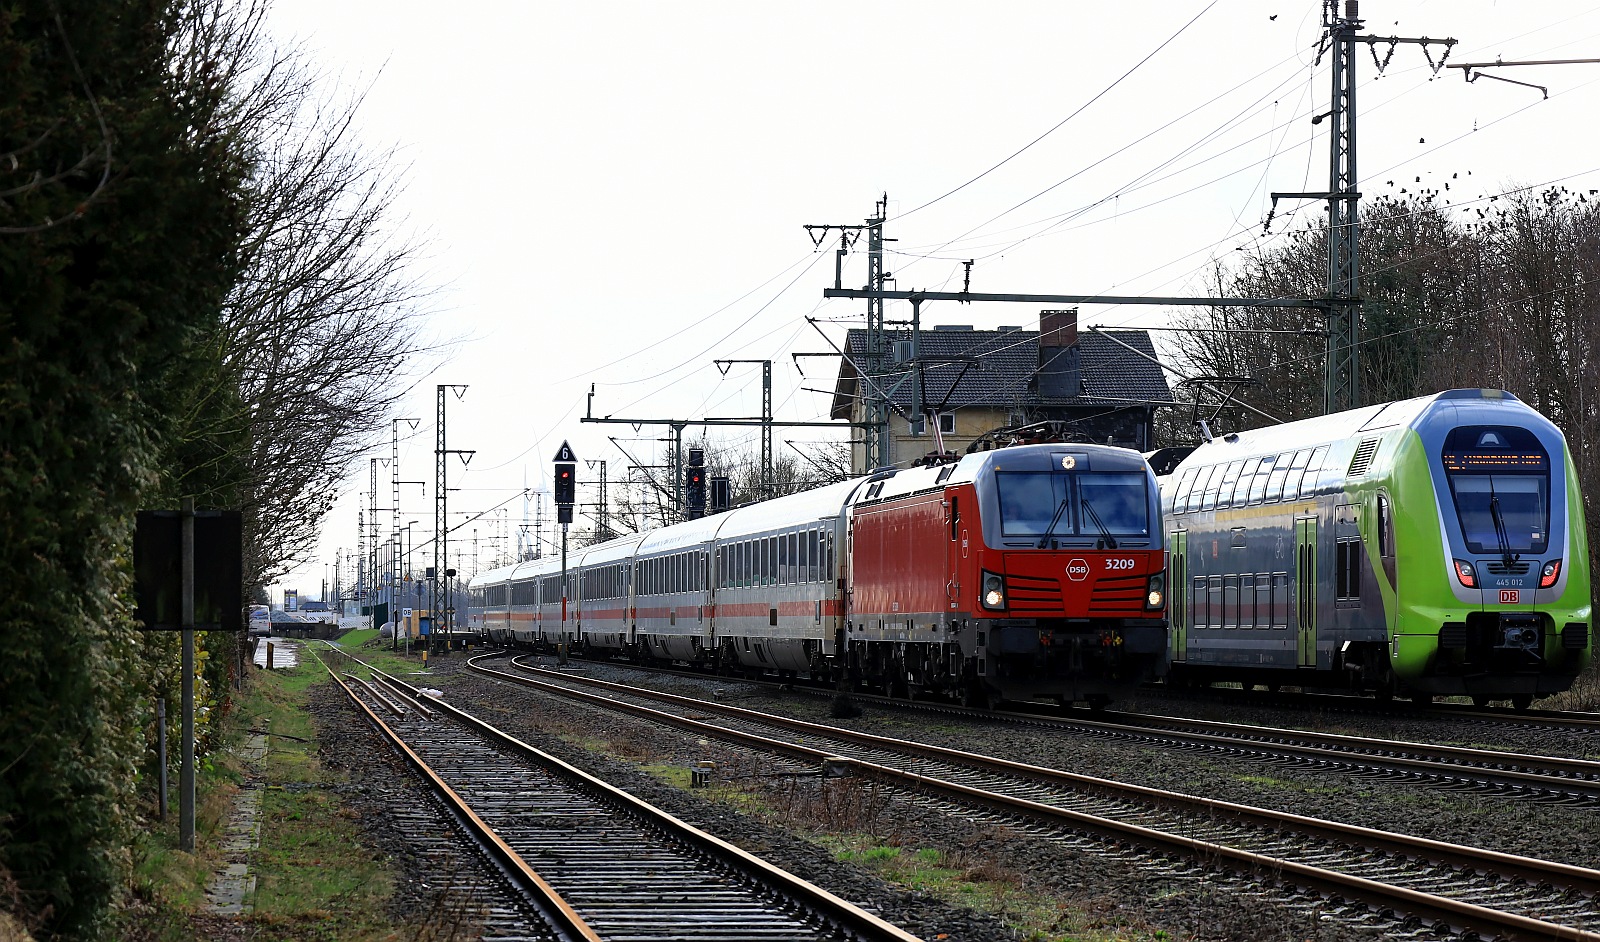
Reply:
x=614 y=193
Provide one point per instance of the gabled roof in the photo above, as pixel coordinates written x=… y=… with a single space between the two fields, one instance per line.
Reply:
x=998 y=369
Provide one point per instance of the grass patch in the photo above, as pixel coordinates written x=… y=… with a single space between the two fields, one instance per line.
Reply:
x=1035 y=910
x=315 y=880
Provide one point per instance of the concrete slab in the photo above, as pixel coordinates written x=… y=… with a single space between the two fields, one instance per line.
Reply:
x=229 y=889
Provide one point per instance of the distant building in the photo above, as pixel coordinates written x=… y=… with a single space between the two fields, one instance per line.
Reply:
x=992 y=385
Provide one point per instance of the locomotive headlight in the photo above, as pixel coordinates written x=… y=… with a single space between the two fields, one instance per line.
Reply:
x=994 y=591
x=1156 y=590
x=1550 y=573
x=1465 y=572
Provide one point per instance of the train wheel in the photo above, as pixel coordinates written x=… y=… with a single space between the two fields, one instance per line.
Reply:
x=1098 y=702
x=1420 y=698
x=976 y=696
x=1479 y=700
x=1521 y=701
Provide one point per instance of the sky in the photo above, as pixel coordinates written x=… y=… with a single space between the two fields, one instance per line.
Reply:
x=613 y=194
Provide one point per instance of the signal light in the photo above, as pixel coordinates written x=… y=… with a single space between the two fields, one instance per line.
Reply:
x=566 y=483
x=1550 y=573
x=1465 y=572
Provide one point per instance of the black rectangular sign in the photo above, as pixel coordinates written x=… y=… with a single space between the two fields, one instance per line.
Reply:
x=218 y=570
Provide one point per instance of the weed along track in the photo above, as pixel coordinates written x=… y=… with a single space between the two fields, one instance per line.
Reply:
x=1396 y=879
x=590 y=859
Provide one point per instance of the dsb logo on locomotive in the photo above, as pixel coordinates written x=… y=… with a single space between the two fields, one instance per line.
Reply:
x=1077 y=569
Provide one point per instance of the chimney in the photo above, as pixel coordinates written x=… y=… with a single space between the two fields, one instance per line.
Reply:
x=1059 y=375
x=1058 y=329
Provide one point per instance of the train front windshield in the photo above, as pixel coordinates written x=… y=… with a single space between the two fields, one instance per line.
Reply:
x=1500 y=482
x=1039 y=504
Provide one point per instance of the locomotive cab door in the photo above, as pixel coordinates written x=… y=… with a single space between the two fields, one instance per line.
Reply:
x=1305 y=589
x=1178 y=595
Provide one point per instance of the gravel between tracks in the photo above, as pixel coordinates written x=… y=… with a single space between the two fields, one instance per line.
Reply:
x=1121 y=895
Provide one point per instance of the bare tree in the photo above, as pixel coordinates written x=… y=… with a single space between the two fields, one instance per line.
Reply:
x=325 y=316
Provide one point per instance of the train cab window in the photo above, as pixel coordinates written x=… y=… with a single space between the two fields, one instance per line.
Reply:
x=1500 y=483
x=1385 y=527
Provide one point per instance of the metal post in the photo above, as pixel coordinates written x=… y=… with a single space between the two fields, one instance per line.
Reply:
x=161 y=751
x=561 y=648
x=186 y=771
x=1342 y=387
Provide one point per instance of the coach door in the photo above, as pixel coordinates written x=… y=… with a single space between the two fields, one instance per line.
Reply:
x=1178 y=595
x=1305 y=589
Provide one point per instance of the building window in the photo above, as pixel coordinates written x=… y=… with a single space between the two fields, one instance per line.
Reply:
x=918 y=424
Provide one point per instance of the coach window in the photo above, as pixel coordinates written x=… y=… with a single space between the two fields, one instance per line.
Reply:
x=1230 y=602
x=1198 y=610
x=1208 y=499
x=1219 y=613
x=1196 y=493
x=1280 y=471
x=1308 y=483
x=1180 y=494
x=1348 y=564
x=1258 y=484
x=1241 y=490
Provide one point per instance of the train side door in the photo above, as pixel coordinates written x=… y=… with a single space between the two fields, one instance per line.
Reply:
x=1305 y=589
x=952 y=586
x=1178 y=595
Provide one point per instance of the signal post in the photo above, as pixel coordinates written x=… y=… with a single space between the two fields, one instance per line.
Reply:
x=566 y=495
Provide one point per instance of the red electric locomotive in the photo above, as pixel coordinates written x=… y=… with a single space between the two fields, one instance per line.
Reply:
x=1031 y=572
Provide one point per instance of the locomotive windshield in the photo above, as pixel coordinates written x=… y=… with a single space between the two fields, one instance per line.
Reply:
x=1500 y=483
x=1093 y=505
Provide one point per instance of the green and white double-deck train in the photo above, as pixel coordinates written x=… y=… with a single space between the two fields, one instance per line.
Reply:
x=1434 y=546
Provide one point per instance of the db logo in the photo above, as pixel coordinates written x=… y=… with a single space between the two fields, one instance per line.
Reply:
x=1077 y=570
x=1509 y=595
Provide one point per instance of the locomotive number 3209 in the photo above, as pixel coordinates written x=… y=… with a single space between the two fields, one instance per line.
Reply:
x=1113 y=564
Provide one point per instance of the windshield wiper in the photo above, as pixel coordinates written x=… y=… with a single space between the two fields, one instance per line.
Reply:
x=1500 y=531
x=1107 y=540
x=1053 y=521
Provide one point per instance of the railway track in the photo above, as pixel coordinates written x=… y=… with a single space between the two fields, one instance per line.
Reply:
x=1521 y=775
x=590 y=860
x=1444 y=885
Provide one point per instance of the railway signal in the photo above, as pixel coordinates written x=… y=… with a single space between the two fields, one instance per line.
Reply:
x=694 y=485
x=566 y=483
